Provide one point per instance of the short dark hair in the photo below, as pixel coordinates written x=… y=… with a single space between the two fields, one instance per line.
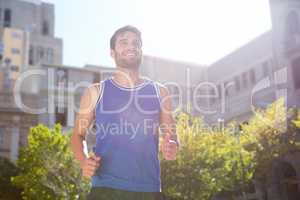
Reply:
x=127 y=28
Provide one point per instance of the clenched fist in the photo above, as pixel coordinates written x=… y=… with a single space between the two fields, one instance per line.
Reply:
x=169 y=148
x=90 y=165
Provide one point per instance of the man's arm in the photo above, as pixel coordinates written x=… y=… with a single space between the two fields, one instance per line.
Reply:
x=168 y=126
x=84 y=119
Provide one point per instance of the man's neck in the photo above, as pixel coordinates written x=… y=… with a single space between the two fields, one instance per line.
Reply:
x=127 y=77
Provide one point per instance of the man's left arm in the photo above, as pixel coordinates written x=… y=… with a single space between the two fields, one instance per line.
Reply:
x=170 y=142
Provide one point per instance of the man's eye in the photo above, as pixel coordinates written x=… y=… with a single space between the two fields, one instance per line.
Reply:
x=136 y=44
x=123 y=43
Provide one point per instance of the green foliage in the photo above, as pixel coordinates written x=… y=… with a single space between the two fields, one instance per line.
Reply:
x=270 y=135
x=7 y=190
x=215 y=160
x=48 y=169
x=208 y=162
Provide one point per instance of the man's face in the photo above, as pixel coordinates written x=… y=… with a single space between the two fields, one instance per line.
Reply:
x=128 y=50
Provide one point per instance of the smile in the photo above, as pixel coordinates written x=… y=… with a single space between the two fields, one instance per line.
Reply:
x=131 y=55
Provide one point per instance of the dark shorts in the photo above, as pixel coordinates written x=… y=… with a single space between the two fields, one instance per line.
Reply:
x=102 y=193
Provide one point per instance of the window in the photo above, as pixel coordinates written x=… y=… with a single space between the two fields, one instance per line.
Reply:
x=219 y=90
x=296 y=72
x=97 y=78
x=212 y=92
x=292 y=23
x=15 y=51
x=292 y=32
x=252 y=76
x=7 y=18
x=1 y=136
x=1 y=47
x=0 y=14
x=31 y=56
x=45 y=28
x=226 y=88
x=61 y=76
x=175 y=93
x=7 y=61
x=7 y=82
x=50 y=56
x=265 y=69
x=237 y=83
x=16 y=35
x=61 y=116
x=14 y=68
x=41 y=52
x=245 y=80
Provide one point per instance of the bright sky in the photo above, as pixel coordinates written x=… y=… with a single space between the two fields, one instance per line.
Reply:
x=200 y=31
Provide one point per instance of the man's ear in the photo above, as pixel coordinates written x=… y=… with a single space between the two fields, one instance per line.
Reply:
x=112 y=53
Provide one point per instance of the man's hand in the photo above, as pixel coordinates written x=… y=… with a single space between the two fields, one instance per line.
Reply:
x=169 y=148
x=89 y=166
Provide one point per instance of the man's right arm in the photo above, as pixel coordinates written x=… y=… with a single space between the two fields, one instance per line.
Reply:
x=84 y=119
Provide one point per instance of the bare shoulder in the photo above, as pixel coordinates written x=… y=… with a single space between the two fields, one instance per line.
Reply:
x=90 y=97
x=163 y=90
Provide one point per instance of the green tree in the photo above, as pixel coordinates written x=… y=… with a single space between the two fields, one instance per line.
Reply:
x=209 y=161
x=47 y=167
x=270 y=134
x=227 y=159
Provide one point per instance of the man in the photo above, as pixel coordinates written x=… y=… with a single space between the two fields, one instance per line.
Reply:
x=128 y=111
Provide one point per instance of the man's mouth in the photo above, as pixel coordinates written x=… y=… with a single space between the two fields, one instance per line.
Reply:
x=130 y=54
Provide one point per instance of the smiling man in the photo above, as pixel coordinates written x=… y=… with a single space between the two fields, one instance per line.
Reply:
x=129 y=111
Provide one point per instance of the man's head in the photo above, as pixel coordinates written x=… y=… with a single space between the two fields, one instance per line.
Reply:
x=126 y=47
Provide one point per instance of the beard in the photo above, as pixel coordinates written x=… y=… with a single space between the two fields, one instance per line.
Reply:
x=132 y=62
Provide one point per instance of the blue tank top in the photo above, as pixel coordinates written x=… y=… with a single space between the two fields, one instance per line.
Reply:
x=127 y=121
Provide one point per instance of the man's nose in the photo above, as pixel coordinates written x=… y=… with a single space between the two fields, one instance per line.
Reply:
x=132 y=47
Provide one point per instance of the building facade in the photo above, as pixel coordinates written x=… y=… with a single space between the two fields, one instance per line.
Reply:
x=257 y=74
x=27 y=39
x=13 y=55
x=261 y=71
x=37 y=20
